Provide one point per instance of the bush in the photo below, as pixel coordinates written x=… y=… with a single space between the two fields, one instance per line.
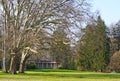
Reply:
x=114 y=64
x=31 y=66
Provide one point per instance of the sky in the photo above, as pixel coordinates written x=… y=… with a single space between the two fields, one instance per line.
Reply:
x=109 y=10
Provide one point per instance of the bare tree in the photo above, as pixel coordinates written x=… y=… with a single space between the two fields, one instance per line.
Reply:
x=24 y=19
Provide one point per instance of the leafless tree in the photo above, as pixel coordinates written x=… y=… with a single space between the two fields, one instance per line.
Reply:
x=22 y=20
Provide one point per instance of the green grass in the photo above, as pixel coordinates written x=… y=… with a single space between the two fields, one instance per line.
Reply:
x=59 y=75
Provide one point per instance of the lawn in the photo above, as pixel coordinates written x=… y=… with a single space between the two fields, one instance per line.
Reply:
x=59 y=75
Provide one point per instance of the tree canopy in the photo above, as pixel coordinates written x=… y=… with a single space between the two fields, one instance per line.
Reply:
x=93 y=49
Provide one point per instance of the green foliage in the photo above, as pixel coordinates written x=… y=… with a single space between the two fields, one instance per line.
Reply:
x=94 y=47
x=60 y=50
x=72 y=64
x=31 y=66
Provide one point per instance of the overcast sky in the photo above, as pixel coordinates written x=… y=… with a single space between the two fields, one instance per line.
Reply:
x=109 y=10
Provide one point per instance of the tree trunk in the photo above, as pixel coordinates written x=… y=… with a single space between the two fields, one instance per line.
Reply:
x=4 y=68
x=13 y=65
x=22 y=65
x=22 y=61
x=24 y=57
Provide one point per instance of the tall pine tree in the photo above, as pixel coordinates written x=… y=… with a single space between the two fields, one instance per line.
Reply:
x=94 y=47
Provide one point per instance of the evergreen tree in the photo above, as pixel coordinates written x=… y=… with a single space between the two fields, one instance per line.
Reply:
x=94 y=47
x=60 y=48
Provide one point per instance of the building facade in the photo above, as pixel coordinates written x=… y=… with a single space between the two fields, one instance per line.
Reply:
x=44 y=64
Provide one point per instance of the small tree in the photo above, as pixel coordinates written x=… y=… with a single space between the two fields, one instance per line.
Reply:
x=114 y=64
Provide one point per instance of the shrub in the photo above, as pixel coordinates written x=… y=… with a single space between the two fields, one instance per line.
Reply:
x=115 y=62
x=31 y=66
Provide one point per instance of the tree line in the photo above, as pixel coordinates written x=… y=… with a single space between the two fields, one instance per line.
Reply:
x=63 y=30
x=98 y=48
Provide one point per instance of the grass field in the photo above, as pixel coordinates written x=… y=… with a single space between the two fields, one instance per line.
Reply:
x=59 y=75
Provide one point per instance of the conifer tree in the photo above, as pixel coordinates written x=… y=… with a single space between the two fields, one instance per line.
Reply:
x=94 y=47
